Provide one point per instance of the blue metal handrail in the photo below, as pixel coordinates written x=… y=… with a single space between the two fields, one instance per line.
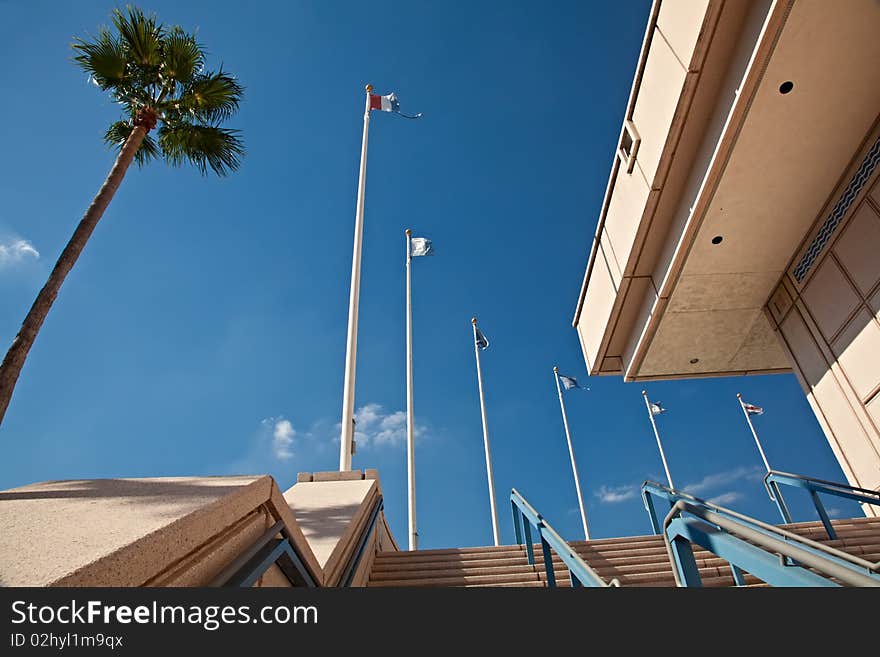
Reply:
x=746 y=549
x=525 y=516
x=748 y=545
x=814 y=486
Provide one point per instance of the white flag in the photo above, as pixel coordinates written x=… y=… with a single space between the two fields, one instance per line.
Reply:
x=657 y=408
x=421 y=246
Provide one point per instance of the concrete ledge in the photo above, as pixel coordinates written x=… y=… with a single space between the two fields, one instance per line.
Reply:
x=333 y=475
x=136 y=532
x=333 y=509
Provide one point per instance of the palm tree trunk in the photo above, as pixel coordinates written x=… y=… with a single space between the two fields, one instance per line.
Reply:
x=21 y=345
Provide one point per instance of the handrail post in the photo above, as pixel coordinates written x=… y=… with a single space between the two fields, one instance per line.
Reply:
x=575 y=582
x=516 y=522
x=548 y=563
x=685 y=563
x=738 y=576
x=815 y=486
x=580 y=572
x=527 y=530
x=652 y=512
x=823 y=515
x=780 y=503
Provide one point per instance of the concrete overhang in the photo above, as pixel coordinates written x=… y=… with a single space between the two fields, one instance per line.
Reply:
x=726 y=154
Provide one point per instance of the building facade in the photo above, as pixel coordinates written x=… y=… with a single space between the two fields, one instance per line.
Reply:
x=740 y=229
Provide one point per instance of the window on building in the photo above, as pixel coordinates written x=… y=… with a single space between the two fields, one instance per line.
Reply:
x=629 y=145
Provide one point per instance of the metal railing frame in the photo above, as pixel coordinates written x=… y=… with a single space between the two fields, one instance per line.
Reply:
x=747 y=549
x=747 y=530
x=814 y=486
x=579 y=571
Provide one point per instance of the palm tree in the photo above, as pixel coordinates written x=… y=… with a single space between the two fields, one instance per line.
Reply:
x=157 y=76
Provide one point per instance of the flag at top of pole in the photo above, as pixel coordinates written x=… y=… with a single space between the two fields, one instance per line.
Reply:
x=748 y=411
x=480 y=343
x=654 y=409
x=421 y=246
x=657 y=408
x=751 y=409
x=389 y=103
x=346 y=444
x=481 y=340
x=569 y=382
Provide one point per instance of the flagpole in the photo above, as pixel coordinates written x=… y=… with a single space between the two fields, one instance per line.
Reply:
x=657 y=435
x=577 y=481
x=754 y=433
x=410 y=427
x=353 y=299
x=485 y=436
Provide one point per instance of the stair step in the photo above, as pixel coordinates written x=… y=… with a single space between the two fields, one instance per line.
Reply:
x=459 y=580
x=633 y=560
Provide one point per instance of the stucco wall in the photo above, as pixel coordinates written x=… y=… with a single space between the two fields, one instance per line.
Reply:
x=828 y=318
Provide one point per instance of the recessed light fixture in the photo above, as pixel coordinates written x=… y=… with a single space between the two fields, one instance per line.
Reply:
x=694 y=361
x=717 y=239
x=786 y=86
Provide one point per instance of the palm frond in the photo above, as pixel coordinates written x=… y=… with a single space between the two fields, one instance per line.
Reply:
x=132 y=98
x=203 y=146
x=182 y=57
x=212 y=97
x=104 y=59
x=118 y=133
x=141 y=34
x=154 y=73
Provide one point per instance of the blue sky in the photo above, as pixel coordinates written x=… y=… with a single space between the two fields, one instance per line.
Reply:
x=203 y=330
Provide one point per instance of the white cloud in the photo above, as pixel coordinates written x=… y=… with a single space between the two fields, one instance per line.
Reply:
x=615 y=494
x=282 y=437
x=726 y=498
x=16 y=250
x=373 y=426
x=722 y=479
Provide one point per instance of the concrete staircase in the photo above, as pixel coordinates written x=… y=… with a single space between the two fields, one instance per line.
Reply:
x=634 y=560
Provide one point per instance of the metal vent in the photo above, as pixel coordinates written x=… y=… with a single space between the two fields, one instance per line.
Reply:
x=861 y=176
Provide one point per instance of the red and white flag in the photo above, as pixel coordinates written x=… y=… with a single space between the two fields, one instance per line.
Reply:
x=751 y=409
x=389 y=103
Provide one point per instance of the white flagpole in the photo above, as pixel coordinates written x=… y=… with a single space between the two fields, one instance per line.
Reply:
x=486 y=437
x=657 y=435
x=754 y=433
x=577 y=481
x=351 y=341
x=410 y=428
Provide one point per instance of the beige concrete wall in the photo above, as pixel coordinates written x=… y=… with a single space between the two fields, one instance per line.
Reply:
x=175 y=531
x=380 y=540
x=682 y=84
x=830 y=325
x=333 y=509
x=599 y=298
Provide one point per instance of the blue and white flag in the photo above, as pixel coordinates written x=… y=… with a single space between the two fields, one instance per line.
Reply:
x=657 y=408
x=568 y=382
x=482 y=341
x=421 y=246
